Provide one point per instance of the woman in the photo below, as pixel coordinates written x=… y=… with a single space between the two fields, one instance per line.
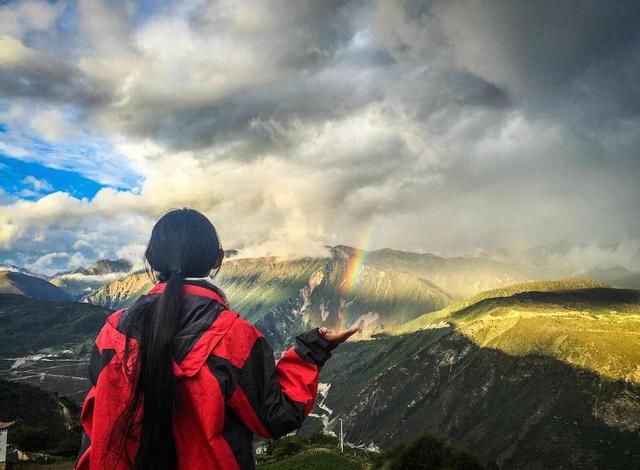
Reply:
x=179 y=381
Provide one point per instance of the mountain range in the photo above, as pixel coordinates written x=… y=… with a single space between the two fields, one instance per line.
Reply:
x=14 y=282
x=79 y=282
x=528 y=374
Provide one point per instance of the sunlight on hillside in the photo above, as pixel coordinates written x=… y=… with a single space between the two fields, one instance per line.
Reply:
x=580 y=322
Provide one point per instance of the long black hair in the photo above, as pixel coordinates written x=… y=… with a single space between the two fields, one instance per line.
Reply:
x=183 y=243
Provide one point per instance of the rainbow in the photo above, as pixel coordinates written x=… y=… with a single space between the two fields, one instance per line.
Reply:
x=358 y=259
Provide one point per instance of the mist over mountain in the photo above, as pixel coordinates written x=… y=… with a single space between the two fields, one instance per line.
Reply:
x=570 y=259
x=617 y=276
x=19 y=269
x=81 y=281
x=459 y=276
x=103 y=266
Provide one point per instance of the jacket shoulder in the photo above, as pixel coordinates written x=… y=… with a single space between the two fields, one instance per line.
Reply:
x=242 y=326
x=238 y=342
x=105 y=338
x=114 y=318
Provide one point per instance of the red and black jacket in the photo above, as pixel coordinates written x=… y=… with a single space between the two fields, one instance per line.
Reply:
x=229 y=386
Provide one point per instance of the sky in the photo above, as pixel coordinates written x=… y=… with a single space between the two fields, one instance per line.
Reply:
x=457 y=127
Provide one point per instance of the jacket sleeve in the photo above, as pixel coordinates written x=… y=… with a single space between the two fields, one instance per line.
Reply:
x=86 y=417
x=273 y=400
x=100 y=357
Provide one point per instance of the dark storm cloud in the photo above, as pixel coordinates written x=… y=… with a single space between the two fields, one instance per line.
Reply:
x=542 y=52
x=570 y=66
x=34 y=75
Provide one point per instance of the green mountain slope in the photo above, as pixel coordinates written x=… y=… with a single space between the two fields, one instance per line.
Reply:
x=12 y=282
x=286 y=296
x=254 y=286
x=43 y=421
x=378 y=299
x=46 y=343
x=29 y=325
x=577 y=321
x=258 y=285
x=534 y=286
x=545 y=377
x=121 y=292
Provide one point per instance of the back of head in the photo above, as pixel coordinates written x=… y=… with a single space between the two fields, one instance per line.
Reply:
x=183 y=243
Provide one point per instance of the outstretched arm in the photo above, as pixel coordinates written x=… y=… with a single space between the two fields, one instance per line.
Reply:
x=273 y=400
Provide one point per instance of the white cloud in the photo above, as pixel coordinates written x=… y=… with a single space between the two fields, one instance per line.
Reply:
x=51 y=125
x=12 y=150
x=49 y=262
x=38 y=185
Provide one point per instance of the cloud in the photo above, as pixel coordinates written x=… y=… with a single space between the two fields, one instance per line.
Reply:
x=96 y=279
x=16 y=18
x=37 y=184
x=29 y=73
x=12 y=150
x=51 y=125
x=448 y=126
x=51 y=262
x=34 y=187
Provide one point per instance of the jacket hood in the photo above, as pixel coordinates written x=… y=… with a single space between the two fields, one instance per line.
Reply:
x=205 y=321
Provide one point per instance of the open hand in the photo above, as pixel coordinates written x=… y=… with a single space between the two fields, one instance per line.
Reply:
x=337 y=337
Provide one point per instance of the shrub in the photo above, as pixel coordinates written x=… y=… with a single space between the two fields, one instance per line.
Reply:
x=427 y=452
x=29 y=438
x=285 y=447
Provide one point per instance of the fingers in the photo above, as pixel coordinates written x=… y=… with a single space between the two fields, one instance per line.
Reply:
x=349 y=332
x=338 y=336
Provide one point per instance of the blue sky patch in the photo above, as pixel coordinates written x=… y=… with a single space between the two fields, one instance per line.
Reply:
x=29 y=180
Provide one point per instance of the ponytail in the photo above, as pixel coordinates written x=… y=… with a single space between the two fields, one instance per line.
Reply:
x=154 y=389
x=156 y=382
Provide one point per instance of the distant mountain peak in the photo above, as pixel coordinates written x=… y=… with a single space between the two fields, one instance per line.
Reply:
x=18 y=283
x=106 y=266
